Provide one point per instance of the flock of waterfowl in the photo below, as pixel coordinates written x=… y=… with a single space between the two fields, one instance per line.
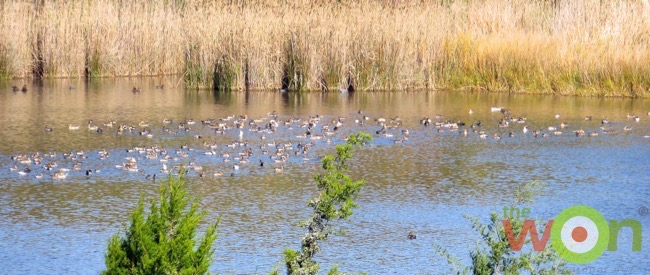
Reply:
x=238 y=144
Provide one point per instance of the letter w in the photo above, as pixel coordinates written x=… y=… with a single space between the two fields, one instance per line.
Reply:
x=529 y=226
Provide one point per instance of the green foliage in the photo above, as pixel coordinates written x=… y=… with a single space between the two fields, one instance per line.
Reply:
x=335 y=201
x=493 y=255
x=164 y=241
x=527 y=192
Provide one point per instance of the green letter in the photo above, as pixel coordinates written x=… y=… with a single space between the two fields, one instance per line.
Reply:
x=615 y=226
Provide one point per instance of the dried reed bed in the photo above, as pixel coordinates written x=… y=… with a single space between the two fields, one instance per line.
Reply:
x=560 y=47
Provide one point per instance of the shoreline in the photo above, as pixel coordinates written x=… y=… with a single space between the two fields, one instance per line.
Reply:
x=585 y=49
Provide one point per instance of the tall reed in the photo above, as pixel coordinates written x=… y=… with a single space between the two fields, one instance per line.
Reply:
x=555 y=47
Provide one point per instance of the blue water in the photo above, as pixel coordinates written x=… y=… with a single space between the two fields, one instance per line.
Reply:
x=425 y=185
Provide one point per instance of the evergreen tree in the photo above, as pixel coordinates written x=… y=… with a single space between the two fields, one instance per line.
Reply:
x=335 y=201
x=163 y=242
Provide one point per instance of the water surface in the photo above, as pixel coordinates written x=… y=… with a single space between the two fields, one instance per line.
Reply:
x=425 y=184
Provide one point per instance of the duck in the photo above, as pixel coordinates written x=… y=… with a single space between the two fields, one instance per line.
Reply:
x=24 y=89
x=279 y=170
x=73 y=127
x=411 y=236
x=471 y=111
x=557 y=116
x=495 y=109
x=15 y=88
x=135 y=90
x=59 y=176
x=627 y=128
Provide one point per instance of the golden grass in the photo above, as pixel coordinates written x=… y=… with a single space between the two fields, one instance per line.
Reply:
x=557 y=47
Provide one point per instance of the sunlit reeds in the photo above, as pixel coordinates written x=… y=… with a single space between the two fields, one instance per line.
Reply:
x=555 y=47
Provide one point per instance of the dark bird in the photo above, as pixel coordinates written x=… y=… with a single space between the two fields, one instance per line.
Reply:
x=411 y=236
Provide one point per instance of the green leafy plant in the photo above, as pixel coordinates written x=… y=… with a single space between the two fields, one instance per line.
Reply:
x=493 y=255
x=163 y=242
x=335 y=201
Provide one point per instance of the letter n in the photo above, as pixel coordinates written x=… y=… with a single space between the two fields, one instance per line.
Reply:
x=529 y=226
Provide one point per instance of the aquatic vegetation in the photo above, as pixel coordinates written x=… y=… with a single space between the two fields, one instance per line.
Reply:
x=566 y=48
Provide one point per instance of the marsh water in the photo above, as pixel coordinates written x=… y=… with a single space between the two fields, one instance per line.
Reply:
x=425 y=184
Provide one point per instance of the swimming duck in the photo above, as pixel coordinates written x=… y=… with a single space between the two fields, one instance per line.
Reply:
x=15 y=88
x=279 y=170
x=24 y=89
x=411 y=236
x=495 y=109
x=135 y=90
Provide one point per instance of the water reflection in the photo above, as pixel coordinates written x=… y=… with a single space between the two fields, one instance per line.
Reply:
x=425 y=184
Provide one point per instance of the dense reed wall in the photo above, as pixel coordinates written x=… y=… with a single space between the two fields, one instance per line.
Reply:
x=561 y=47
